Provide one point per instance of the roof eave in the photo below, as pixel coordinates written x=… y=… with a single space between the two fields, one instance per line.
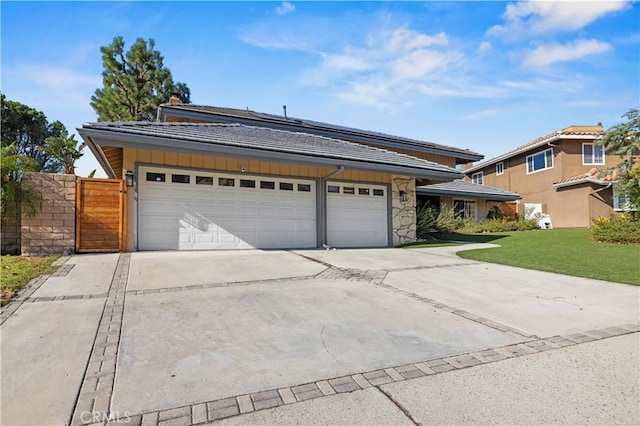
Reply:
x=442 y=192
x=184 y=112
x=98 y=153
x=582 y=181
x=123 y=140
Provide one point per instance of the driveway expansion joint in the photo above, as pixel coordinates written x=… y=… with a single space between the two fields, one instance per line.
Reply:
x=203 y=412
x=94 y=398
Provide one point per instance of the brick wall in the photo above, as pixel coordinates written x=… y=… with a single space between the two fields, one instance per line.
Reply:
x=10 y=236
x=53 y=229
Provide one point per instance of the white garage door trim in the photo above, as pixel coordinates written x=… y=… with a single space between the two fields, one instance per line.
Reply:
x=357 y=214
x=188 y=209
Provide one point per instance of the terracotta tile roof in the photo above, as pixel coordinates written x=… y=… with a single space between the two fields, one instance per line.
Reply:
x=572 y=131
x=590 y=176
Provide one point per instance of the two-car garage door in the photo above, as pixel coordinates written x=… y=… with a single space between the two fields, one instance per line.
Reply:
x=198 y=210
x=192 y=210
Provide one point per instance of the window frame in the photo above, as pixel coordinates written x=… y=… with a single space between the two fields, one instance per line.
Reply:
x=593 y=154
x=466 y=208
x=473 y=178
x=500 y=168
x=617 y=205
x=544 y=153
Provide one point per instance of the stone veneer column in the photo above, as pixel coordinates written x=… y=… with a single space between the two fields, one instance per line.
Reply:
x=54 y=228
x=403 y=214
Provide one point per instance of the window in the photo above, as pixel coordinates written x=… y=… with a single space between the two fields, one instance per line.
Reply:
x=304 y=187
x=226 y=182
x=265 y=184
x=592 y=154
x=378 y=192
x=465 y=209
x=347 y=190
x=477 y=178
x=540 y=161
x=180 y=178
x=620 y=201
x=247 y=183
x=499 y=168
x=285 y=186
x=363 y=191
x=335 y=189
x=155 y=177
x=204 y=180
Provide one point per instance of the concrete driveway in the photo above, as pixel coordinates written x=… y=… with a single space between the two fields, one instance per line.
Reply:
x=347 y=336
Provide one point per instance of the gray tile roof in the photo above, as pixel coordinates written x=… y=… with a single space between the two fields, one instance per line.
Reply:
x=461 y=188
x=262 y=141
x=310 y=126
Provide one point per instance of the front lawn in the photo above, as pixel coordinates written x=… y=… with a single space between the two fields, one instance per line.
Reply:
x=565 y=251
x=17 y=271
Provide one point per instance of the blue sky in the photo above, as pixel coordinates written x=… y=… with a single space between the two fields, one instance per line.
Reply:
x=487 y=76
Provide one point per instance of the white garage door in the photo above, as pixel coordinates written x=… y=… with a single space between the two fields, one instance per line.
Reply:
x=357 y=215
x=196 y=210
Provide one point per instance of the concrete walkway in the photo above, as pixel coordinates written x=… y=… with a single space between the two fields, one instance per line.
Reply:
x=386 y=336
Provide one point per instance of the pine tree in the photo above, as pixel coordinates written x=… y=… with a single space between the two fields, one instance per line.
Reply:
x=135 y=82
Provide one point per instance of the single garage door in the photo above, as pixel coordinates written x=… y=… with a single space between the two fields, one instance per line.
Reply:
x=357 y=215
x=197 y=210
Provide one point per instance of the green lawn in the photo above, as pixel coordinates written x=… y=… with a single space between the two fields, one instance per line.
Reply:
x=17 y=271
x=565 y=251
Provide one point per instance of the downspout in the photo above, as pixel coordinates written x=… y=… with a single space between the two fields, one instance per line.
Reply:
x=322 y=210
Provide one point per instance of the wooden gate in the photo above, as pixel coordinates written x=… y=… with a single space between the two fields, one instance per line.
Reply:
x=101 y=215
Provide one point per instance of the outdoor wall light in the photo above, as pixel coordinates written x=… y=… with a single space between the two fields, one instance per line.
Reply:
x=128 y=178
x=403 y=196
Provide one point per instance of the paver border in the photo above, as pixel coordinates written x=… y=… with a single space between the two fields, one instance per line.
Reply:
x=93 y=403
x=203 y=412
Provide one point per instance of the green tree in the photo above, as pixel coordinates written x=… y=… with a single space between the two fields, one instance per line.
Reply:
x=624 y=140
x=64 y=151
x=135 y=82
x=27 y=129
x=17 y=196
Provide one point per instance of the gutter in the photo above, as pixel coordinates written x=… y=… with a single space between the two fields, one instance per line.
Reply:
x=581 y=181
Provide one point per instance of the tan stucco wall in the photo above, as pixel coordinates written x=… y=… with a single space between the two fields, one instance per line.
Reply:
x=132 y=157
x=569 y=207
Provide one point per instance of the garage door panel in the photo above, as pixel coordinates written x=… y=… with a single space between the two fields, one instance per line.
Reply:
x=359 y=219
x=198 y=216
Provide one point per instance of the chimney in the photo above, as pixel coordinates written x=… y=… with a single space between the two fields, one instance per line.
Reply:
x=174 y=100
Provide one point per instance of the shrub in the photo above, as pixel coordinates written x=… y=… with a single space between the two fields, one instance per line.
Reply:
x=495 y=213
x=425 y=220
x=620 y=228
x=447 y=221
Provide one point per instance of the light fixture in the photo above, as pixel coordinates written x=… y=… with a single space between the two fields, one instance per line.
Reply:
x=129 y=178
x=403 y=196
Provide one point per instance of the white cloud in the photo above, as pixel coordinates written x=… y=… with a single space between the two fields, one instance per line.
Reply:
x=549 y=54
x=485 y=46
x=284 y=8
x=544 y=17
x=387 y=68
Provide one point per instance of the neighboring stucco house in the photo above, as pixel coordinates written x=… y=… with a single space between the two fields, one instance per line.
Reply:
x=208 y=186
x=557 y=174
